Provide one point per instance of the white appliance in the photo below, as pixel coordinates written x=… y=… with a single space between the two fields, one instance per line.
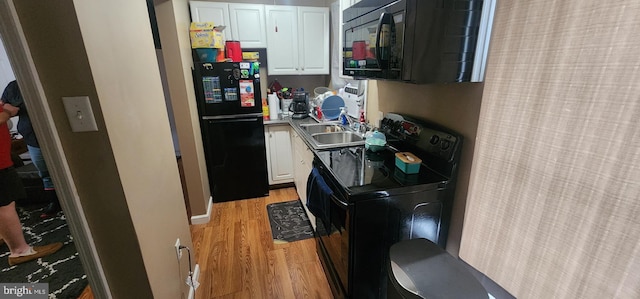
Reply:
x=353 y=101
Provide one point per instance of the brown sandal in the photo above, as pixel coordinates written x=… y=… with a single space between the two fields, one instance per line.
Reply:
x=35 y=252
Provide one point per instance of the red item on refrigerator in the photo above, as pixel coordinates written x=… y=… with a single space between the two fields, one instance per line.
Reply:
x=233 y=50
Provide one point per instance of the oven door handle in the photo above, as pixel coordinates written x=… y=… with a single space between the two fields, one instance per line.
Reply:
x=339 y=202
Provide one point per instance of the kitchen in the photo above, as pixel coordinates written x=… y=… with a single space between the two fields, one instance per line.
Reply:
x=462 y=113
x=207 y=11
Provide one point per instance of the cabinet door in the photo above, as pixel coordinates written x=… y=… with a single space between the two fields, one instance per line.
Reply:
x=282 y=40
x=313 y=40
x=216 y=12
x=267 y=147
x=298 y=162
x=302 y=162
x=281 y=168
x=248 y=25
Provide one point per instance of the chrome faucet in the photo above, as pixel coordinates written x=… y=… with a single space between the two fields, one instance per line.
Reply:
x=354 y=125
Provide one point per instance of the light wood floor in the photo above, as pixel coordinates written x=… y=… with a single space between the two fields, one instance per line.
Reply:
x=238 y=258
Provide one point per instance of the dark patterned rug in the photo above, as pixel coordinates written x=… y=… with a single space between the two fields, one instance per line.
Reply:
x=61 y=270
x=289 y=222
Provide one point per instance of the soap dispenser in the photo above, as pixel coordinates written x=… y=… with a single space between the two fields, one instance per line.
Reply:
x=343 y=116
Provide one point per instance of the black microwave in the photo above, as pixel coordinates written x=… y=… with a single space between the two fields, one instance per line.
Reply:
x=418 y=41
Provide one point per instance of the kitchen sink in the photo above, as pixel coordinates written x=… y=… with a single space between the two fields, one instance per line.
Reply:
x=322 y=128
x=337 y=137
x=331 y=135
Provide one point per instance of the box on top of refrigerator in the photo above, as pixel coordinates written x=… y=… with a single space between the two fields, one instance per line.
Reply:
x=202 y=35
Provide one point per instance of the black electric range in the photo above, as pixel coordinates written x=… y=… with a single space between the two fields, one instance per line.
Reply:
x=373 y=204
x=363 y=174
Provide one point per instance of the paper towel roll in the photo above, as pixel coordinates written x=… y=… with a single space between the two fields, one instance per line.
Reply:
x=274 y=106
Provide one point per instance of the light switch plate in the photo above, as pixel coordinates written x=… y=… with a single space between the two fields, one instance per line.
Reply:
x=80 y=114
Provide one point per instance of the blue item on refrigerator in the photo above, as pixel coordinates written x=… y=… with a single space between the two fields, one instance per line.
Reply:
x=207 y=55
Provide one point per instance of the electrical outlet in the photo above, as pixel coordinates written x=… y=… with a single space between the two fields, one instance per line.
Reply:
x=178 y=251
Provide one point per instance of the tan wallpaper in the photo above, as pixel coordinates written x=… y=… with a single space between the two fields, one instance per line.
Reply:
x=456 y=106
x=553 y=202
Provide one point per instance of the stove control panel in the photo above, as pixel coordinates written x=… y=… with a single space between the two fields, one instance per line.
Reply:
x=430 y=138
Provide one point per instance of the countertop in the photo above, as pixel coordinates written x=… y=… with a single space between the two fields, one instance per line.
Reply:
x=288 y=120
x=295 y=125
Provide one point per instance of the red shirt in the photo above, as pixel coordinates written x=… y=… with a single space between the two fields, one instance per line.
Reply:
x=5 y=145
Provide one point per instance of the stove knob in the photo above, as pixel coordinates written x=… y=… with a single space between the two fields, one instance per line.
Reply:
x=397 y=126
x=445 y=144
x=434 y=139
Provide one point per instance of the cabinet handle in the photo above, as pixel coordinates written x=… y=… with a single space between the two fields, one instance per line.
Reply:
x=270 y=136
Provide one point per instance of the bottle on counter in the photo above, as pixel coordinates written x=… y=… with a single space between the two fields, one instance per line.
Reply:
x=274 y=106
x=265 y=110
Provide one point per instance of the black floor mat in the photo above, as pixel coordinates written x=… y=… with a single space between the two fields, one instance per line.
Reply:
x=62 y=270
x=289 y=222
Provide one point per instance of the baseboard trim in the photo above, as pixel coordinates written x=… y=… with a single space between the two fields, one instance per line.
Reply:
x=202 y=219
x=196 y=275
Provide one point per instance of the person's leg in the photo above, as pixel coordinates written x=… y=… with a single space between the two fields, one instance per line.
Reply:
x=11 y=189
x=41 y=165
x=11 y=229
x=38 y=160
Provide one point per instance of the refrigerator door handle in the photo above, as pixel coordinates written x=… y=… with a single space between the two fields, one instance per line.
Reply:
x=234 y=120
x=235 y=116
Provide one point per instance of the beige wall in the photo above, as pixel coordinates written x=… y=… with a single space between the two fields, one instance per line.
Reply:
x=455 y=106
x=173 y=25
x=125 y=173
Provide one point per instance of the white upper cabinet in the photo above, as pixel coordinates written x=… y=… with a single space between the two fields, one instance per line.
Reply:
x=314 y=39
x=244 y=22
x=282 y=39
x=247 y=25
x=216 y=12
x=297 y=40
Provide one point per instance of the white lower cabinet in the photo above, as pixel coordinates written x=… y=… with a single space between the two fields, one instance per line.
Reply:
x=302 y=165
x=279 y=162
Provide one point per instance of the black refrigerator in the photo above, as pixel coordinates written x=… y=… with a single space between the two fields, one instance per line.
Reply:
x=230 y=108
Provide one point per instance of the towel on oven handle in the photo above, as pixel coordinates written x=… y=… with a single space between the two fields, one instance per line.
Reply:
x=319 y=197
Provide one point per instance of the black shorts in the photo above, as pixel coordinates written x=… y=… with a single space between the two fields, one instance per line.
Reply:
x=11 y=188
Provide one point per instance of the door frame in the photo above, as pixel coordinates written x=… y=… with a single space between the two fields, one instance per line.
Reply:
x=25 y=72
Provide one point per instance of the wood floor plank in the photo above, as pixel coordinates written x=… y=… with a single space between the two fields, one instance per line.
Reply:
x=278 y=278
x=307 y=277
x=257 y=268
x=243 y=262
